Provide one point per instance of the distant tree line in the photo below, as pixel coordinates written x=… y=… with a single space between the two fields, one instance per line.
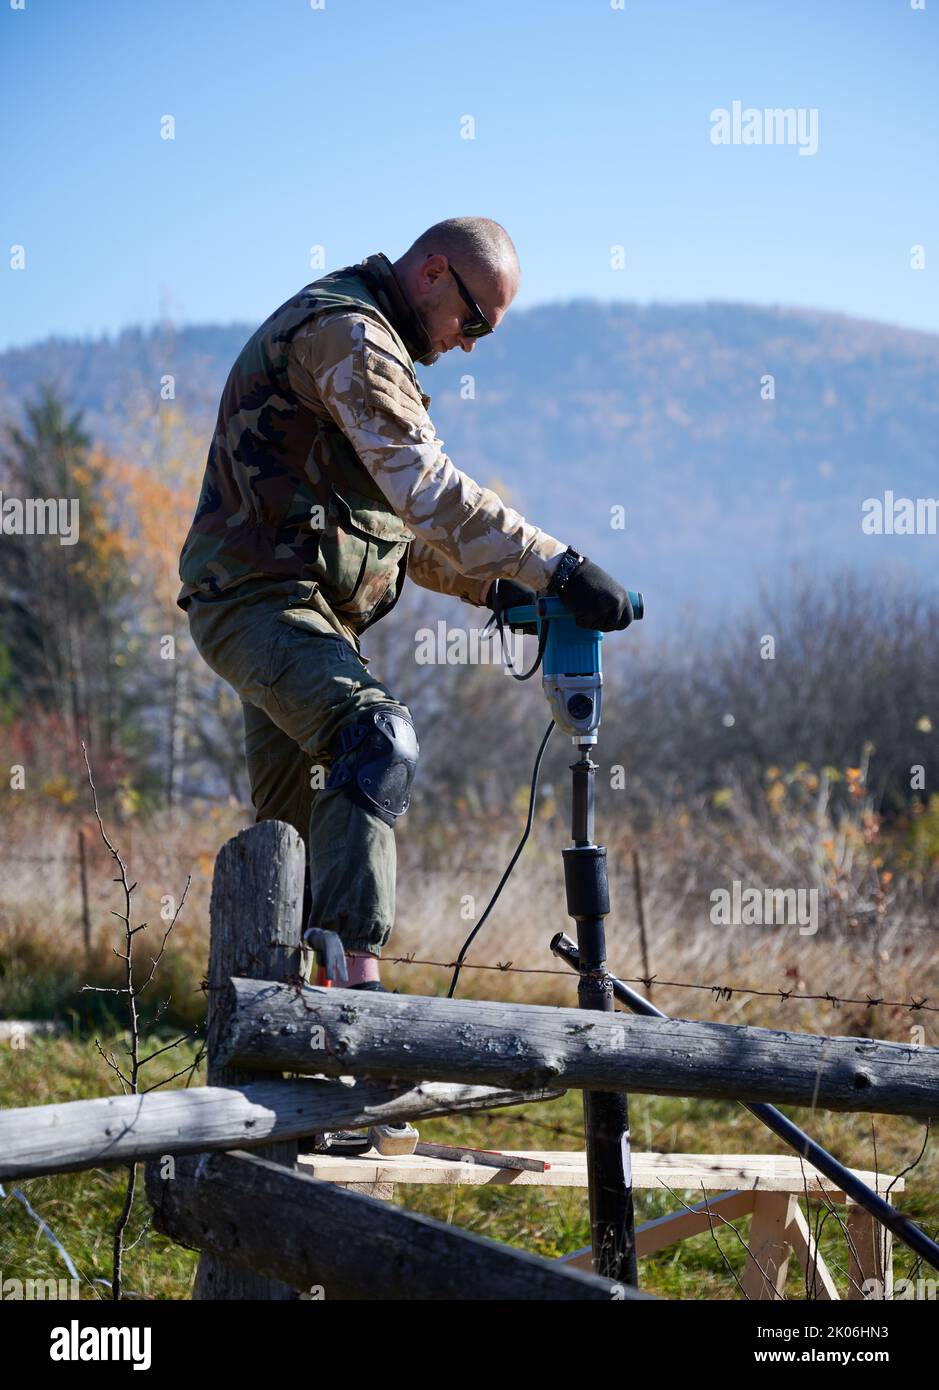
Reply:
x=839 y=672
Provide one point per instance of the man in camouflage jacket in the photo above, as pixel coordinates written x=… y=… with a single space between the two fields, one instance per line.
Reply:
x=326 y=484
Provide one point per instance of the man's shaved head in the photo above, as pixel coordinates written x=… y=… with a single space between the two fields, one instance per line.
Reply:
x=473 y=244
x=482 y=253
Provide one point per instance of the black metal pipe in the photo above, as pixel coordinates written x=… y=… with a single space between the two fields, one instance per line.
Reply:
x=582 y=801
x=781 y=1125
x=606 y=1113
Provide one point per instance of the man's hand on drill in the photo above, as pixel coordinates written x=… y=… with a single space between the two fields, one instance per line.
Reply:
x=596 y=599
x=504 y=594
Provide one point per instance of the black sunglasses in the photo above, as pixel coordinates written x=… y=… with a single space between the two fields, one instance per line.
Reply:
x=478 y=325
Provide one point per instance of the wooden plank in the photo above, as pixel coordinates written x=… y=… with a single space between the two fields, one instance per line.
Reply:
x=310 y=1234
x=378 y=1191
x=703 y=1216
x=674 y=1226
x=822 y=1286
x=63 y=1138
x=783 y=1169
x=870 y=1256
x=768 y=1249
x=771 y=1172
x=713 y=1172
x=419 y=1168
x=340 y=1031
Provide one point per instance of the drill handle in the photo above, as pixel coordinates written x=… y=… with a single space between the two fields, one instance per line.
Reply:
x=556 y=608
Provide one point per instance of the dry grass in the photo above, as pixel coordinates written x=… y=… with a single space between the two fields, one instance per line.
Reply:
x=872 y=940
x=889 y=954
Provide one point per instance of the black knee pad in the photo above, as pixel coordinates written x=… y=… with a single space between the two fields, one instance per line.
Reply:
x=374 y=759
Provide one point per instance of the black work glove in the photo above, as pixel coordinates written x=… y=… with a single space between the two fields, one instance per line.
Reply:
x=505 y=593
x=596 y=599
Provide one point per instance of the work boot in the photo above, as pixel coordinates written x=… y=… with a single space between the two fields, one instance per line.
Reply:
x=388 y=1140
x=391 y=1140
x=343 y=1143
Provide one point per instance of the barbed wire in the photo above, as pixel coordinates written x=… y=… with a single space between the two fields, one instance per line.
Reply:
x=719 y=991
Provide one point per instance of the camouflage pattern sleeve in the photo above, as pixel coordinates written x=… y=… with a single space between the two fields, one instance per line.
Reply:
x=432 y=570
x=350 y=366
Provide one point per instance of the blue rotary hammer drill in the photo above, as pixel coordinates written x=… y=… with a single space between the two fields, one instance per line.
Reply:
x=572 y=675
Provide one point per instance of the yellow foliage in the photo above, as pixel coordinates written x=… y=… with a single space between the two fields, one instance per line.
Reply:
x=150 y=499
x=923 y=836
x=60 y=789
x=128 y=797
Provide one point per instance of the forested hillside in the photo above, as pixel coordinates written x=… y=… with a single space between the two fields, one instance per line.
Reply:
x=693 y=449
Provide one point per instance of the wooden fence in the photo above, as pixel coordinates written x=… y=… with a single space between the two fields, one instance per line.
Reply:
x=287 y=1060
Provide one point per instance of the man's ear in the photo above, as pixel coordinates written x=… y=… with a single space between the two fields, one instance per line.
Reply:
x=434 y=268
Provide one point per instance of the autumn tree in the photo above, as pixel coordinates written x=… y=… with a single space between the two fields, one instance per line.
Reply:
x=152 y=484
x=63 y=581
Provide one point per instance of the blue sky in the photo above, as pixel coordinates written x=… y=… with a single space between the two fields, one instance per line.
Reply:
x=340 y=127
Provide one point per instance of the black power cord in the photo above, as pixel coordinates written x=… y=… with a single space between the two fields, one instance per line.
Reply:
x=496 y=623
x=514 y=860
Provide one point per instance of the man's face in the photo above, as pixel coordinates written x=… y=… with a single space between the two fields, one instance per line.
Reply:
x=438 y=299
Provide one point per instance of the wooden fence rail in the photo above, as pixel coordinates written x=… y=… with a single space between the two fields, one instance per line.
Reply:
x=64 y=1138
x=272 y=1027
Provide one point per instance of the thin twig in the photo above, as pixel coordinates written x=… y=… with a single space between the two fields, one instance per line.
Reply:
x=129 y=1083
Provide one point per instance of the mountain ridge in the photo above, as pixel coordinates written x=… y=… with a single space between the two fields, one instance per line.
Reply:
x=586 y=412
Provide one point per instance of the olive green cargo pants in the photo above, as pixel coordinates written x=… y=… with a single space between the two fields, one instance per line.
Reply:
x=299 y=683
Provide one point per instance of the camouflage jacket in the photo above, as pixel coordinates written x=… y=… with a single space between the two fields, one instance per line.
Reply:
x=325 y=466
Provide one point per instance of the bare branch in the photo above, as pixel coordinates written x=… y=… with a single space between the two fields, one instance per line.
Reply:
x=159 y=956
x=182 y=1072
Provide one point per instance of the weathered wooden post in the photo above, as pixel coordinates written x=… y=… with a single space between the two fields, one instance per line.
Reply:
x=256 y=919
